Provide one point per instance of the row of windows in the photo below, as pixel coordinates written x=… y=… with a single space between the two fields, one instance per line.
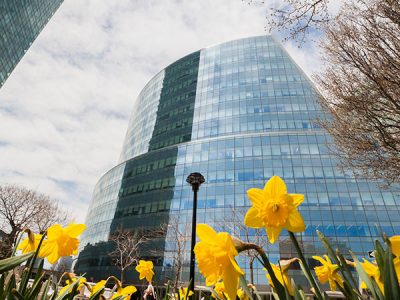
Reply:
x=151 y=166
x=147 y=186
x=173 y=125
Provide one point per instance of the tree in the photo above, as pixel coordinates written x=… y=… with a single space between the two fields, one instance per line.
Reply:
x=234 y=224
x=361 y=83
x=297 y=18
x=179 y=235
x=22 y=208
x=127 y=248
x=361 y=87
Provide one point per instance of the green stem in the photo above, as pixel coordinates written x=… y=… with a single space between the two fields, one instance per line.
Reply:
x=317 y=290
x=280 y=290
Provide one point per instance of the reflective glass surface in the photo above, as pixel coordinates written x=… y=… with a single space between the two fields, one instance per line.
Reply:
x=20 y=23
x=249 y=114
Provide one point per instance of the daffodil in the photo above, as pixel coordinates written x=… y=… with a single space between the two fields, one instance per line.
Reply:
x=98 y=286
x=145 y=269
x=215 y=254
x=31 y=243
x=328 y=272
x=71 y=280
x=372 y=271
x=62 y=241
x=280 y=272
x=395 y=242
x=124 y=292
x=184 y=293
x=274 y=209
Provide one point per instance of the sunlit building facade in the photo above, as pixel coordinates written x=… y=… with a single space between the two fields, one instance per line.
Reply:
x=239 y=113
x=21 y=22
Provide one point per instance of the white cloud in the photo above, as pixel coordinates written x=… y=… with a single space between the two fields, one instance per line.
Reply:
x=64 y=110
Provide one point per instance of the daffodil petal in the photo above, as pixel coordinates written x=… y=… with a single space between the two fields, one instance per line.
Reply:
x=273 y=233
x=295 y=222
x=231 y=281
x=236 y=266
x=252 y=219
x=256 y=196
x=74 y=230
x=206 y=233
x=128 y=290
x=395 y=241
x=297 y=199
x=53 y=256
x=320 y=259
x=54 y=231
x=275 y=187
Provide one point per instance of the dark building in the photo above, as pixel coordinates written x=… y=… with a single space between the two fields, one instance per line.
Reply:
x=21 y=21
x=239 y=113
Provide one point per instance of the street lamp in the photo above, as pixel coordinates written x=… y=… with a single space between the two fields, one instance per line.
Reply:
x=195 y=180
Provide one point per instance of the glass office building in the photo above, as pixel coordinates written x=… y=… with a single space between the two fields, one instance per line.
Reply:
x=239 y=113
x=21 y=21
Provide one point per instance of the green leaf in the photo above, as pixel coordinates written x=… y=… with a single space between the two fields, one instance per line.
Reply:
x=339 y=260
x=305 y=267
x=11 y=262
x=10 y=286
x=390 y=280
x=297 y=294
x=379 y=255
x=167 y=290
x=45 y=289
x=2 y=285
x=17 y=295
x=36 y=286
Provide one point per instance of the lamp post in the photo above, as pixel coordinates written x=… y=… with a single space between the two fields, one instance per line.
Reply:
x=195 y=180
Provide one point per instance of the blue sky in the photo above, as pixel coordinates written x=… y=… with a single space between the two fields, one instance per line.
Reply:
x=64 y=110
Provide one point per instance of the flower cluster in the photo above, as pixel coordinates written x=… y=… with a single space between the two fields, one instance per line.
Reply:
x=59 y=242
x=274 y=209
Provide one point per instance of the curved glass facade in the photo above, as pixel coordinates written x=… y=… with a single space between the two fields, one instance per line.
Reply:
x=238 y=113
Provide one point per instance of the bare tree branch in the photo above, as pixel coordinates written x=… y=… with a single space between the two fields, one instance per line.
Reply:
x=22 y=208
x=361 y=87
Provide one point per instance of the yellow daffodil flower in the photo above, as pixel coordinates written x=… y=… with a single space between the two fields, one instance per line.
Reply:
x=280 y=272
x=184 y=293
x=372 y=271
x=31 y=243
x=98 y=286
x=126 y=291
x=215 y=254
x=62 y=241
x=71 y=280
x=328 y=272
x=274 y=209
x=145 y=269
x=395 y=241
